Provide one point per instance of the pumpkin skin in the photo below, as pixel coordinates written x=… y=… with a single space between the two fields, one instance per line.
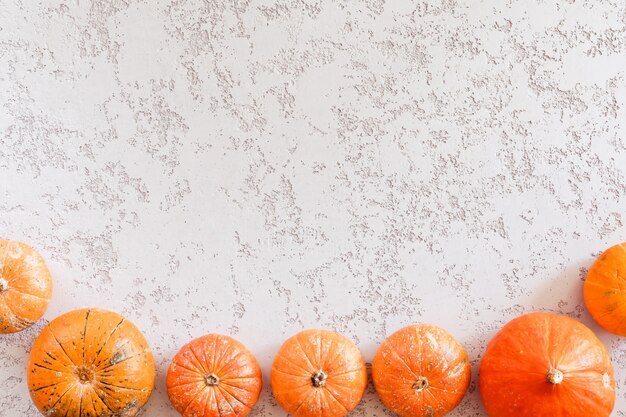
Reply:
x=318 y=373
x=25 y=286
x=214 y=376
x=604 y=290
x=546 y=365
x=421 y=370
x=90 y=363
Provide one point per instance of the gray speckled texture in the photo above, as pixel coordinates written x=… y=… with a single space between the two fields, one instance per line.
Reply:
x=255 y=168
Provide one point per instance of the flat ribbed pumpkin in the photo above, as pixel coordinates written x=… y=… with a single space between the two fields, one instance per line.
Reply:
x=318 y=373
x=25 y=286
x=214 y=376
x=546 y=365
x=421 y=370
x=89 y=363
x=605 y=290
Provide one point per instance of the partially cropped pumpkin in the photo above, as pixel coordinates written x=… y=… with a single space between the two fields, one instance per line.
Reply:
x=25 y=286
x=546 y=365
x=605 y=290
x=90 y=363
x=318 y=373
x=214 y=376
x=421 y=370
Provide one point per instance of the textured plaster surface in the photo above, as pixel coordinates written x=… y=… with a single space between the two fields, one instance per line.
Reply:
x=259 y=167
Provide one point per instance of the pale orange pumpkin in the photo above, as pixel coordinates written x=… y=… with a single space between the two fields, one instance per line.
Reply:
x=546 y=365
x=605 y=290
x=421 y=370
x=90 y=363
x=318 y=373
x=25 y=286
x=214 y=376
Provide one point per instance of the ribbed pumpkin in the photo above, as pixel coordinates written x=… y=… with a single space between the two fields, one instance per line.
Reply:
x=605 y=290
x=214 y=376
x=421 y=370
x=318 y=373
x=25 y=286
x=89 y=363
x=546 y=365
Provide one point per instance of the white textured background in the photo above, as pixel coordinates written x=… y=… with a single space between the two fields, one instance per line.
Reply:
x=256 y=168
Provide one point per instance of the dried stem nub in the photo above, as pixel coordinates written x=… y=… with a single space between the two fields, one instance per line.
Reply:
x=555 y=376
x=420 y=384
x=319 y=379
x=211 y=380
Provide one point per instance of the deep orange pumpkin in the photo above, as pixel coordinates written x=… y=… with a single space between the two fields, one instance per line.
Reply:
x=89 y=363
x=605 y=290
x=214 y=376
x=318 y=373
x=546 y=365
x=421 y=370
x=25 y=286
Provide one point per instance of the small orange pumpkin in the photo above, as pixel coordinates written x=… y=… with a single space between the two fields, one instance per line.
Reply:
x=421 y=370
x=25 y=286
x=605 y=290
x=545 y=365
x=214 y=376
x=318 y=373
x=88 y=363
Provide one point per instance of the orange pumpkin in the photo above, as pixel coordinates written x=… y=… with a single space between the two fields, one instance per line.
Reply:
x=605 y=290
x=25 y=286
x=546 y=365
x=421 y=370
x=318 y=373
x=214 y=376
x=89 y=363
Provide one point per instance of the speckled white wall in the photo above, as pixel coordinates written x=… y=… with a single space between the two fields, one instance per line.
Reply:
x=259 y=167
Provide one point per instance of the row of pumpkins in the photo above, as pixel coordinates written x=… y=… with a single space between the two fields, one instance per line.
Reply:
x=96 y=363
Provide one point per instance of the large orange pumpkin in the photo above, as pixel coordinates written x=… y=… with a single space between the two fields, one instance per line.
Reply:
x=90 y=363
x=318 y=373
x=605 y=290
x=25 y=286
x=546 y=365
x=214 y=376
x=421 y=370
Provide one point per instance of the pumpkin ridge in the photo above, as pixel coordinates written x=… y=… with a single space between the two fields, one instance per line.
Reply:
x=287 y=373
x=61 y=346
x=343 y=373
x=327 y=364
x=304 y=354
x=122 y=361
x=230 y=360
x=402 y=360
x=85 y=337
x=305 y=400
x=213 y=352
x=224 y=390
x=328 y=391
x=195 y=371
x=201 y=368
x=50 y=369
x=225 y=400
x=95 y=359
x=195 y=397
x=108 y=384
x=102 y=399
x=199 y=381
x=26 y=294
x=71 y=387
x=296 y=365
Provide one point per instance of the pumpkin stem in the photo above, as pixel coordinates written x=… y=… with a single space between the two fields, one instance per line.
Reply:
x=211 y=380
x=421 y=384
x=4 y=285
x=319 y=379
x=555 y=376
x=84 y=374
